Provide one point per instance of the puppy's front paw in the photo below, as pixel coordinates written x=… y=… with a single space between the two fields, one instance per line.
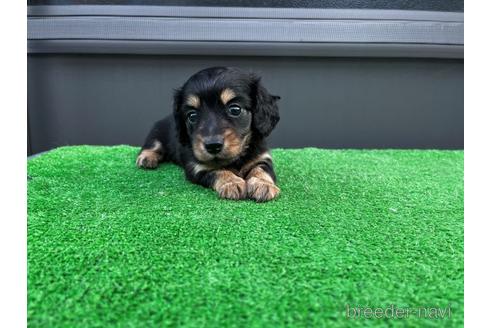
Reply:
x=230 y=186
x=261 y=190
x=148 y=159
x=233 y=190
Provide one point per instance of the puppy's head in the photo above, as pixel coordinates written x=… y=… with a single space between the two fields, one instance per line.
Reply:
x=219 y=110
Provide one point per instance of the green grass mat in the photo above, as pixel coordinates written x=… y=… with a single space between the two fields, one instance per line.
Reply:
x=112 y=245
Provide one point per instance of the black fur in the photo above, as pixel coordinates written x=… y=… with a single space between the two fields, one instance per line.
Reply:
x=265 y=110
x=176 y=134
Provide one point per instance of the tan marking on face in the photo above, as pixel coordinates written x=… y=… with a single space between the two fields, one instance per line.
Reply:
x=264 y=157
x=227 y=95
x=260 y=185
x=199 y=149
x=193 y=101
x=234 y=145
x=149 y=158
x=228 y=185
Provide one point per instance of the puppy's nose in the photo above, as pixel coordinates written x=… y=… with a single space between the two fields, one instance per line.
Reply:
x=214 y=145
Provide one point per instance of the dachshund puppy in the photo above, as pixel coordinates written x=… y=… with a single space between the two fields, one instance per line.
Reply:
x=217 y=133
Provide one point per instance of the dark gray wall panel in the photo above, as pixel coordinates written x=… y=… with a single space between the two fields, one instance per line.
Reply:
x=326 y=102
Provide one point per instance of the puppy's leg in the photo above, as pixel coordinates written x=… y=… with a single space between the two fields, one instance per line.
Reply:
x=260 y=179
x=150 y=155
x=153 y=152
x=226 y=183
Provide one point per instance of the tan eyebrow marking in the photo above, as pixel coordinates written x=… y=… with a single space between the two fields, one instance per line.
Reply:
x=226 y=95
x=193 y=101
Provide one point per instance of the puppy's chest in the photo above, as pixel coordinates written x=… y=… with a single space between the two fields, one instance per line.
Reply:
x=242 y=168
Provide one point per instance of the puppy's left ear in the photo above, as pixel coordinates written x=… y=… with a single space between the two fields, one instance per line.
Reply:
x=265 y=109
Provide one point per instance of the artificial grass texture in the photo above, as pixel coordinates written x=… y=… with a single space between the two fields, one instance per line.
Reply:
x=112 y=245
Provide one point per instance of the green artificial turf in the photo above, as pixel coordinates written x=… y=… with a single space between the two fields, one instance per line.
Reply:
x=113 y=245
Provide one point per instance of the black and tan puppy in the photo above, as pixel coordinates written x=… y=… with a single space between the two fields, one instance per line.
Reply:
x=217 y=134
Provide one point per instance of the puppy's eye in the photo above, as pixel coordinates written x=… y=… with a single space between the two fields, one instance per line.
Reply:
x=192 y=116
x=234 y=110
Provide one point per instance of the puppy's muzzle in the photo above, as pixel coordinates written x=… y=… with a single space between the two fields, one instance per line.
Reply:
x=213 y=144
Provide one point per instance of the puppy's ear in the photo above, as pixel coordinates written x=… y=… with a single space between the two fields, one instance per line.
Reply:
x=265 y=109
x=178 y=117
